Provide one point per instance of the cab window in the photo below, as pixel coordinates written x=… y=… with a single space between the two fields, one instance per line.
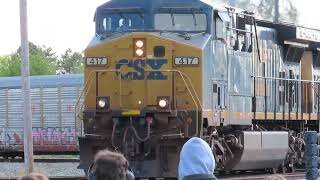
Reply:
x=181 y=22
x=119 y=22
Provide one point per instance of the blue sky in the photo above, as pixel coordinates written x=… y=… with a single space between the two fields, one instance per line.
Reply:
x=64 y=24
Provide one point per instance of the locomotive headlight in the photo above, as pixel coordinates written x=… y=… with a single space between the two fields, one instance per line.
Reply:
x=139 y=43
x=139 y=47
x=162 y=103
x=139 y=52
x=102 y=103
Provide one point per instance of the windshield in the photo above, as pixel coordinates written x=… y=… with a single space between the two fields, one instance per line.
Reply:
x=181 y=22
x=119 y=22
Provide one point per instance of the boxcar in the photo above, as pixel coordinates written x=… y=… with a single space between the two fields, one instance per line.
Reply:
x=53 y=121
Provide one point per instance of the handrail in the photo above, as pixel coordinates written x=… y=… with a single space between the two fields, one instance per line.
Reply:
x=182 y=75
x=285 y=79
x=193 y=89
x=86 y=83
x=312 y=85
x=76 y=111
x=185 y=78
x=189 y=91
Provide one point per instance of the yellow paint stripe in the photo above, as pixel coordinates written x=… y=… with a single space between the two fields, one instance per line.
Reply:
x=293 y=116
x=261 y=116
x=314 y=116
x=131 y=113
x=279 y=116
x=224 y=114
x=270 y=115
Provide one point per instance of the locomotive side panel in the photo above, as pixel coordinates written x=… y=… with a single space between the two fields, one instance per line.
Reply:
x=239 y=88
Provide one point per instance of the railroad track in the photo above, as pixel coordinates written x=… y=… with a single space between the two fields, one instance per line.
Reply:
x=19 y=160
x=52 y=178
x=290 y=176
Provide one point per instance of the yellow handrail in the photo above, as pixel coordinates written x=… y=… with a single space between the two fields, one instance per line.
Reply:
x=76 y=111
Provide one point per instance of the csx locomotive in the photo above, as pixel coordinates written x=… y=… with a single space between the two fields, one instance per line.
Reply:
x=160 y=72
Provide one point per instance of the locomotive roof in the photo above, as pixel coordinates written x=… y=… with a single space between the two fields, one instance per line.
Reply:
x=150 y=4
x=69 y=80
x=151 y=7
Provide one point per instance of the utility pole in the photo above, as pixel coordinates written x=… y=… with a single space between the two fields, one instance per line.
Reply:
x=25 y=80
x=276 y=11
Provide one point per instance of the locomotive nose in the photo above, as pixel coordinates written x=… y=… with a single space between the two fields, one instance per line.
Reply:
x=138 y=80
x=144 y=71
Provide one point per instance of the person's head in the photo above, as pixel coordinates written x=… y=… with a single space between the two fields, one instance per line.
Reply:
x=109 y=166
x=196 y=158
x=34 y=176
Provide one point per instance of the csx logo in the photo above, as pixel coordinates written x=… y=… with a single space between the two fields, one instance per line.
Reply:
x=138 y=66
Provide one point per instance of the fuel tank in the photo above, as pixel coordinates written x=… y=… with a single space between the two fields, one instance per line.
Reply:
x=261 y=150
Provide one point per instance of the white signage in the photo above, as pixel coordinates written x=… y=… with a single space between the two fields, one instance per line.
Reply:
x=94 y=61
x=308 y=34
x=186 y=61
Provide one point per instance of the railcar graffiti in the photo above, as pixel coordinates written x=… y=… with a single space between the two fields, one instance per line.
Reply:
x=41 y=136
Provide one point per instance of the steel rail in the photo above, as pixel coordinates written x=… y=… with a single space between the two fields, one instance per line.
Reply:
x=289 y=176
x=51 y=178
x=19 y=160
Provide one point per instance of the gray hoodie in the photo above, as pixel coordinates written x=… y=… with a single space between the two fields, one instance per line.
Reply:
x=196 y=160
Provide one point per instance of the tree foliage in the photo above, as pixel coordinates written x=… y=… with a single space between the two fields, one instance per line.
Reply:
x=70 y=62
x=265 y=9
x=288 y=12
x=8 y=67
x=43 y=61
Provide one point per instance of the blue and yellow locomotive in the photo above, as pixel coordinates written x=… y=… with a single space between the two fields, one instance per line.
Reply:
x=160 y=72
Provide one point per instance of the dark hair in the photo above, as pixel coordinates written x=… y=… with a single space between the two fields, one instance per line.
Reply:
x=34 y=176
x=110 y=165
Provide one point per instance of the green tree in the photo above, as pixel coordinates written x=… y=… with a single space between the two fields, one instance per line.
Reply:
x=70 y=62
x=42 y=62
x=268 y=9
x=287 y=11
x=46 y=52
x=9 y=66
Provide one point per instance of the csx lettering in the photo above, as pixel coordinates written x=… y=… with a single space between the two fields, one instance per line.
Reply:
x=138 y=66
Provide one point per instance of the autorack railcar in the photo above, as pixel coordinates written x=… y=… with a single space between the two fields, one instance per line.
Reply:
x=53 y=100
x=160 y=72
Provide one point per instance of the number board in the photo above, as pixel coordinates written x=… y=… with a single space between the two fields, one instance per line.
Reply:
x=96 y=61
x=186 y=61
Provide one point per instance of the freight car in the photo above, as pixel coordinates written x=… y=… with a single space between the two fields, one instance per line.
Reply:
x=160 y=72
x=54 y=127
